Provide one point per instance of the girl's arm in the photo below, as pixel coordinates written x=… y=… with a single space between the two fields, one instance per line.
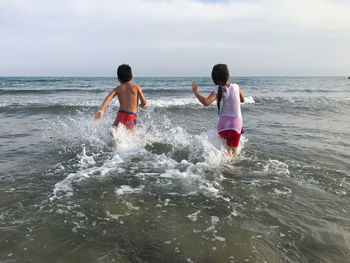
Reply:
x=205 y=101
x=241 y=95
x=98 y=115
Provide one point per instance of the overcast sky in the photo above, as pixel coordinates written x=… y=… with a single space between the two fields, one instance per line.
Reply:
x=174 y=37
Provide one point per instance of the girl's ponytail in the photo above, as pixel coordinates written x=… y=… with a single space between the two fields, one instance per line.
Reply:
x=220 y=77
x=219 y=96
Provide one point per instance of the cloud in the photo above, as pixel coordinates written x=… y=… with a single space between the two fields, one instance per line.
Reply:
x=174 y=37
x=318 y=14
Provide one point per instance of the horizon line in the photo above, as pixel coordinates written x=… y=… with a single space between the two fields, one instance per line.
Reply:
x=238 y=76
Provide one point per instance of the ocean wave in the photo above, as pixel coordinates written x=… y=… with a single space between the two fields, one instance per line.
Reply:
x=173 y=102
x=299 y=100
x=48 y=91
x=151 y=103
x=34 y=79
x=163 y=91
x=48 y=105
x=87 y=89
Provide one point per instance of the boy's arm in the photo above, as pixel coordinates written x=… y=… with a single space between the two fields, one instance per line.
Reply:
x=98 y=115
x=205 y=101
x=142 y=98
x=241 y=95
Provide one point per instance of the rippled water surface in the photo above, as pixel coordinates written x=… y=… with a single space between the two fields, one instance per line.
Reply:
x=74 y=190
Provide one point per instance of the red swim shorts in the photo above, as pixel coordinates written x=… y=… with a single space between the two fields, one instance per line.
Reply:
x=231 y=136
x=127 y=118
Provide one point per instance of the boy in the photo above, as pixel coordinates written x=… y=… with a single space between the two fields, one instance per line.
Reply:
x=128 y=94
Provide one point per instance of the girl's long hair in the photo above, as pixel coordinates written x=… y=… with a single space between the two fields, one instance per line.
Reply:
x=220 y=76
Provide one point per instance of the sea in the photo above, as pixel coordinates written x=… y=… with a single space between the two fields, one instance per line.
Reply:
x=76 y=190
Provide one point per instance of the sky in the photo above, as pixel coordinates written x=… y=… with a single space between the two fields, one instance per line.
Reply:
x=174 y=37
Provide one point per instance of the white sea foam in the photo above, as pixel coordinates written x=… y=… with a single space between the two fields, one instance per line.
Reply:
x=173 y=173
x=284 y=191
x=33 y=101
x=113 y=216
x=194 y=217
x=130 y=206
x=213 y=220
x=65 y=187
x=126 y=189
x=171 y=102
x=85 y=160
x=128 y=145
x=249 y=100
x=276 y=167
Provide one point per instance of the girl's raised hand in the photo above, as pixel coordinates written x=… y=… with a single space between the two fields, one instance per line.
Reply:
x=194 y=86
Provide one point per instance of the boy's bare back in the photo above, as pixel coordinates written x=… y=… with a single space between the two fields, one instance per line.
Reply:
x=128 y=94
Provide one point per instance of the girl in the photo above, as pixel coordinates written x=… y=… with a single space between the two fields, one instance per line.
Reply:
x=228 y=98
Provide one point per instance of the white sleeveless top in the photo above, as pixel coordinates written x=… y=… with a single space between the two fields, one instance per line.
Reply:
x=230 y=116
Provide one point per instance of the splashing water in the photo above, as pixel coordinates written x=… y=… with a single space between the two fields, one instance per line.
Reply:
x=168 y=146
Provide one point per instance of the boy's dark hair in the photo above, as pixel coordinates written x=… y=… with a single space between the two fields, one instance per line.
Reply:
x=124 y=73
x=220 y=75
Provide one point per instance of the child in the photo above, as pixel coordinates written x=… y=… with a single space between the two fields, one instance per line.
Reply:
x=128 y=94
x=228 y=98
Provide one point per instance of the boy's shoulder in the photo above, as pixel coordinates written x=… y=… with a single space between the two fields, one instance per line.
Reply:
x=135 y=85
